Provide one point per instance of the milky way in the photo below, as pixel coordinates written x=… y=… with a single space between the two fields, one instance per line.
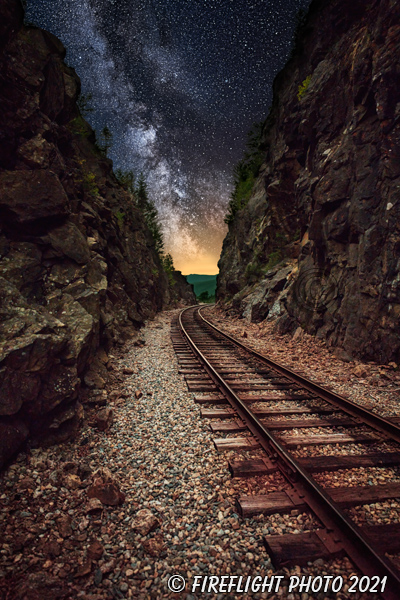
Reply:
x=179 y=83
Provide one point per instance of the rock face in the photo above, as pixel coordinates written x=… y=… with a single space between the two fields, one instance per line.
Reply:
x=77 y=263
x=182 y=290
x=325 y=212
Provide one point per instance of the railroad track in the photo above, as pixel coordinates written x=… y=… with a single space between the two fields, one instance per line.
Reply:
x=255 y=404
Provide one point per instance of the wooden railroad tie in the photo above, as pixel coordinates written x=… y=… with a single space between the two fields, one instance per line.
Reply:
x=201 y=387
x=210 y=400
x=235 y=426
x=316 y=464
x=291 y=441
x=300 y=548
x=285 y=501
x=250 y=468
x=239 y=443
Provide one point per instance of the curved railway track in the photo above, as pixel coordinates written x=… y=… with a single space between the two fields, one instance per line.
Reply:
x=257 y=404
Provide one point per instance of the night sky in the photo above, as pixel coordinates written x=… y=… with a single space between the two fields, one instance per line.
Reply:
x=179 y=83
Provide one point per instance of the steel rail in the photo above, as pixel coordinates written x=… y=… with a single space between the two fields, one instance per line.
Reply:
x=355 y=410
x=345 y=532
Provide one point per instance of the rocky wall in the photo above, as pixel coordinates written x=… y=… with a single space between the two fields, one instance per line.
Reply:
x=78 y=269
x=323 y=222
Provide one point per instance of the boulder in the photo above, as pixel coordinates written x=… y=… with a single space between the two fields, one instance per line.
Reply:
x=145 y=521
x=13 y=433
x=104 y=419
x=68 y=240
x=26 y=196
x=106 y=489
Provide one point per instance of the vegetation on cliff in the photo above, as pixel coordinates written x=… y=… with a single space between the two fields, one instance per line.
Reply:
x=246 y=171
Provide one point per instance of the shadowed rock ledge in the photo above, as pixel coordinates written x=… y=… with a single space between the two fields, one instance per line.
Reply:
x=78 y=268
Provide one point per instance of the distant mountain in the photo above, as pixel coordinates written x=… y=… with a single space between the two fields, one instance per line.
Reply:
x=203 y=283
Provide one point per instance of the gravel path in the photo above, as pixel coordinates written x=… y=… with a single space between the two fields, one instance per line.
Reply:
x=177 y=515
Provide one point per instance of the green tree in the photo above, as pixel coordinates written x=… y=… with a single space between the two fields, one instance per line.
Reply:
x=106 y=140
x=168 y=266
x=150 y=214
x=205 y=297
x=126 y=179
x=246 y=170
x=84 y=103
x=168 y=263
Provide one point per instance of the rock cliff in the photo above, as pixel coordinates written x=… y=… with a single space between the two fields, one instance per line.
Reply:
x=78 y=268
x=318 y=244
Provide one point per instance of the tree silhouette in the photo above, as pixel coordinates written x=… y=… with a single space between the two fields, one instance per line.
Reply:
x=150 y=214
x=106 y=139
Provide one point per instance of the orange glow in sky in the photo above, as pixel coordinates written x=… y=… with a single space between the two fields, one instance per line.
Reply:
x=195 y=252
x=200 y=265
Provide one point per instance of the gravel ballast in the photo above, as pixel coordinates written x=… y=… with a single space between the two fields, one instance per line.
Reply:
x=173 y=508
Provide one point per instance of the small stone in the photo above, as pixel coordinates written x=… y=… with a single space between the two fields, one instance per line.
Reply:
x=108 y=566
x=102 y=356
x=98 y=398
x=72 y=482
x=70 y=467
x=342 y=354
x=27 y=483
x=360 y=371
x=128 y=371
x=52 y=549
x=94 y=380
x=104 y=419
x=84 y=569
x=319 y=562
x=64 y=526
x=93 y=505
x=98 y=577
x=154 y=546
x=145 y=521
x=95 y=550
x=106 y=489
x=138 y=394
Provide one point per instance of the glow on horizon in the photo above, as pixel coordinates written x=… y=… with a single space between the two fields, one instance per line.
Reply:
x=202 y=265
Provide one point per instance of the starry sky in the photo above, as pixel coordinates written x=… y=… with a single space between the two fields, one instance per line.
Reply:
x=179 y=84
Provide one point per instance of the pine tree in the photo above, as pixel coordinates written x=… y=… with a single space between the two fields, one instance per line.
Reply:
x=126 y=179
x=168 y=263
x=246 y=171
x=150 y=214
x=106 y=140
x=168 y=266
x=84 y=103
